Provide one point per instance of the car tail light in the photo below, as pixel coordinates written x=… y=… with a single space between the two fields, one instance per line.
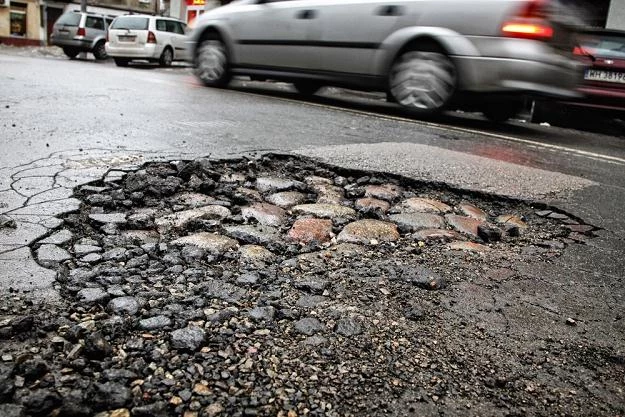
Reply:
x=81 y=32
x=151 y=37
x=527 y=30
x=529 y=22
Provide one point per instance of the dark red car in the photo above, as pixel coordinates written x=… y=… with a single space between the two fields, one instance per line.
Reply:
x=603 y=87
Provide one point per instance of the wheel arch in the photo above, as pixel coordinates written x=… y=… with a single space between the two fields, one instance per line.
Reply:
x=212 y=29
x=97 y=40
x=171 y=48
x=448 y=41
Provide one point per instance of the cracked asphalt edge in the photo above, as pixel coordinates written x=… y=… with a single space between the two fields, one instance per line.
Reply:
x=36 y=218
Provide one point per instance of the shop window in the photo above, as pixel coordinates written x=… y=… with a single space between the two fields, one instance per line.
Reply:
x=18 y=19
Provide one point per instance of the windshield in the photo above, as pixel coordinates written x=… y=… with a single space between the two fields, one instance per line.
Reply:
x=69 y=19
x=137 y=23
x=603 y=45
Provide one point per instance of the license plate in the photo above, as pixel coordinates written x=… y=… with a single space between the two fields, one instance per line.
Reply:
x=126 y=38
x=607 y=76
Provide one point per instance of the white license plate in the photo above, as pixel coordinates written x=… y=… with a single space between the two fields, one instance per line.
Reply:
x=607 y=76
x=126 y=38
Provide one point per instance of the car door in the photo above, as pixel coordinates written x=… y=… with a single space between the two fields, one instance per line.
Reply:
x=348 y=34
x=94 y=27
x=272 y=34
x=178 y=39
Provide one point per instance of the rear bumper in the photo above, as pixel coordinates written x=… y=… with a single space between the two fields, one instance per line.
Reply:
x=148 y=51
x=531 y=77
x=82 y=44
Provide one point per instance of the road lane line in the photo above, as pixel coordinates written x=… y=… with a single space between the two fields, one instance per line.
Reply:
x=577 y=152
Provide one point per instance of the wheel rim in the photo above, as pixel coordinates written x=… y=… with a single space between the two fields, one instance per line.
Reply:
x=167 y=57
x=101 y=51
x=423 y=80
x=211 y=60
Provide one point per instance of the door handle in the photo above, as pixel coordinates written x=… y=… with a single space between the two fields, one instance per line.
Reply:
x=389 y=10
x=307 y=14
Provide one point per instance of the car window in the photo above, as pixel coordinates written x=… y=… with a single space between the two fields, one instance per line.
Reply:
x=69 y=19
x=130 y=22
x=108 y=22
x=174 y=27
x=94 y=23
x=183 y=28
x=161 y=25
x=604 y=45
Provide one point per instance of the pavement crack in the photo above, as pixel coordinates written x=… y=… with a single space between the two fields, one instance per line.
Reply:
x=28 y=199
x=2 y=252
x=542 y=307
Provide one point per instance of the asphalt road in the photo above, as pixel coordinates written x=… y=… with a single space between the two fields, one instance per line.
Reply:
x=55 y=105
x=83 y=117
x=65 y=123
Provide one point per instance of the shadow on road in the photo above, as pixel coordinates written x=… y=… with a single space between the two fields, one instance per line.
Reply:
x=357 y=101
x=574 y=132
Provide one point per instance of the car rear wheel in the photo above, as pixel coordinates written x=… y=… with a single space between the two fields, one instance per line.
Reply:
x=423 y=80
x=121 y=62
x=211 y=62
x=167 y=57
x=99 y=51
x=70 y=52
x=307 y=88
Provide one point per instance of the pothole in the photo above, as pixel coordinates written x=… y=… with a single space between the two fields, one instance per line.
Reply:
x=274 y=286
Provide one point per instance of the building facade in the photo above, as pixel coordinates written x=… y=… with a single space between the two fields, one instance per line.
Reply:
x=616 y=15
x=20 y=22
x=29 y=22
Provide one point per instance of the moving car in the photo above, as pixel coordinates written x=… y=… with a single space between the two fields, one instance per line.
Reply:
x=428 y=55
x=603 y=88
x=142 y=37
x=77 y=32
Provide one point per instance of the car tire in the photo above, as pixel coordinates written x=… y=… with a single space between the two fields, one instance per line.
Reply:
x=121 y=62
x=167 y=57
x=307 y=88
x=210 y=63
x=423 y=79
x=99 y=51
x=70 y=52
x=502 y=111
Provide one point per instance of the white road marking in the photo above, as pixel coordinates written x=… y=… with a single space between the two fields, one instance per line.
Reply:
x=577 y=152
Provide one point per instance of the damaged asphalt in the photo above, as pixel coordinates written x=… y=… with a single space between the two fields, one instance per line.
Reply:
x=279 y=285
x=530 y=326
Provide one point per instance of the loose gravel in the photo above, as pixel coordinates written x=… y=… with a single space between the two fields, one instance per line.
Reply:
x=280 y=286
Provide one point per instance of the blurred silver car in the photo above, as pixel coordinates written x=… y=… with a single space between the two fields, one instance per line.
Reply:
x=426 y=54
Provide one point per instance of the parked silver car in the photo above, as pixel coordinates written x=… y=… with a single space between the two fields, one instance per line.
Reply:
x=77 y=32
x=427 y=55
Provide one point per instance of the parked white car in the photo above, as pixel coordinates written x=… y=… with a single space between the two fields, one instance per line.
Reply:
x=153 y=38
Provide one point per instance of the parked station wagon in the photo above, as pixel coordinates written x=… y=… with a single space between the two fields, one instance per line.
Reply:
x=143 y=37
x=427 y=55
x=77 y=32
